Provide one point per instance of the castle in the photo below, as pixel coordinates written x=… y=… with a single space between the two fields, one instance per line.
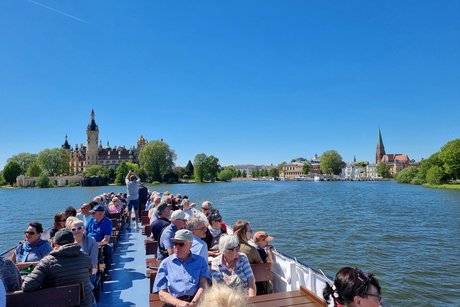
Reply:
x=82 y=157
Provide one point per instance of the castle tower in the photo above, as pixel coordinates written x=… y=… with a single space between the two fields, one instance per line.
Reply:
x=66 y=144
x=380 y=150
x=92 y=142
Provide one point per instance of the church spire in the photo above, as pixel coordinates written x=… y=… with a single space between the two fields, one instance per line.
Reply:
x=380 y=150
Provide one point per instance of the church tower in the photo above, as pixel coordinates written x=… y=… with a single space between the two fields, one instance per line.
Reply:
x=380 y=150
x=92 y=142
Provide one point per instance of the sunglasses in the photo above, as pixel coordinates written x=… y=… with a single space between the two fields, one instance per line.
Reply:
x=29 y=233
x=234 y=249
x=181 y=244
x=218 y=220
x=375 y=295
x=77 y=228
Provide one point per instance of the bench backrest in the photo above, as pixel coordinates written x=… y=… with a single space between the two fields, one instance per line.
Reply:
x=56 y=296
x=262 y=271
x=151 y=247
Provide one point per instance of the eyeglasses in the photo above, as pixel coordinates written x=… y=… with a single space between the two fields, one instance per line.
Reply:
x=29 y=233
x=77 y=228
x=234 y=249
x=202 y=228
x=375 y=295
x=219 y=220
x=181 y=244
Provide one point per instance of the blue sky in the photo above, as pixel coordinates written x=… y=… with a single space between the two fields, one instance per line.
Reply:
x=247 y=81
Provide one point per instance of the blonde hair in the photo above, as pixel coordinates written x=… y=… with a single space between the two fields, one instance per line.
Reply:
x=69 y=221
x=223 y=296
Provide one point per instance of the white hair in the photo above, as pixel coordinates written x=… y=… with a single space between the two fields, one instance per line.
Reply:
x=228 y=241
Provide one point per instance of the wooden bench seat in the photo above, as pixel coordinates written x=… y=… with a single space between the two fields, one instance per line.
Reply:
x=302 y=297
x=69 y=295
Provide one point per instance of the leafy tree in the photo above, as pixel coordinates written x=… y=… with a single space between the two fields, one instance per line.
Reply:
x=306 y=168
x=212 y=167
x=232 y=169
x=383 y=169
x=274 y=172
x=2 y=180
x=238 y=173
x=425 y=165
x=179 y=171
x=95 y=170
x=42 y=181
x=54 y=161
x=362 y=164
x=406 y=175
x=450 y=156
x=199 y=167
x=255 y=173
x=24 y=159
x=189 y=169
x=435 y=175
x=123 y=169
x=244 y=174
x=11 y=170
x=157 y=159
x=225 y=175
x=34 y=170
x=330 y=162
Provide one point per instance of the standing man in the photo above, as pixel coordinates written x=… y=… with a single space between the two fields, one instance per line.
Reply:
x=183 y=276
x=132 y=184
x=100 y=228
x=65 y=265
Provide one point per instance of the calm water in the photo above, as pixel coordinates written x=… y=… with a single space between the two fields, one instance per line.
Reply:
x=409 y=236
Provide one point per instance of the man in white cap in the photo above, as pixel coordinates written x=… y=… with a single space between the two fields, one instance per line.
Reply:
x=183 y=276
x=165 y=243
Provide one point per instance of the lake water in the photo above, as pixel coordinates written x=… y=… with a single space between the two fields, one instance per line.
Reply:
x=408 y=236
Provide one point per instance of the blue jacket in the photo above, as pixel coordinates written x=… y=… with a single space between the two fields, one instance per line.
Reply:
x=27 y=252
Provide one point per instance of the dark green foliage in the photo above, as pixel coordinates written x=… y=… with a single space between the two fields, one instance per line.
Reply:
x=435 y=175
x=306 y=168
x=188 y=170
x=34 y=170
x=42 y=181
x=450 y=157
x=205 y=168
x=406 y=175
x=11 y=170
x=24 y=159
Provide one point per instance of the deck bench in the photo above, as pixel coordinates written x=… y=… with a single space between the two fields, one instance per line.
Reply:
x=69 y=295
x=302 y=297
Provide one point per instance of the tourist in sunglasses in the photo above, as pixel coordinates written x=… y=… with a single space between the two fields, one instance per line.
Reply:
x=183 y=276
x=88 y=244
x=232 y=267
x=59 y=223
x=215 y=231
x=33 y=248
x=353 y=288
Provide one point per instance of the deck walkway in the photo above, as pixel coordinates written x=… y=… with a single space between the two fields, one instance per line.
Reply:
x=129 y=285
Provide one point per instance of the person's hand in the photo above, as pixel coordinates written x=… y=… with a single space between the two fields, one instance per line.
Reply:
x=182 y=304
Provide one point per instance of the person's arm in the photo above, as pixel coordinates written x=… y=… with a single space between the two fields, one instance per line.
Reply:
x=252 y=286
x=203 y=285
x=171 y=300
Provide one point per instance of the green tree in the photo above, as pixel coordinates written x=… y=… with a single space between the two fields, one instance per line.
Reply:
x=54 y=161
x=179 y=171
x=244 y=174
x=11 y=170
x=157 y=159
x=238 y=173
x=306 y=168
x=435 y=175
x=34 y=170
x=255 y=173
x=425 y=165
x=95 y=170
x=330 y=162
x=450 y=156
x=406 y=175
x=2 y=180
x=24 y=159
x=188 y=170
x=42 y=181
x=199 y=167
x=383 y=170
x=225 y=175
x=274 y=172
x=123 y=169
x=211 y=167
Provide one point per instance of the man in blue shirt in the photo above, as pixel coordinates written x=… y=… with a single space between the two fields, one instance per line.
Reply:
x=197 y=225
x=183 y=276
x=165 y=243
x=100 y=228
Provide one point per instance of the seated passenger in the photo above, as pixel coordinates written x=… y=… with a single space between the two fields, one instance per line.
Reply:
x=215 y=230
x=353 y=288
x=262 y=239
x=100 y=228
x=65 y=265
x=205 y=207
x=183 y=276
x=115 y=206
x=232 y=267
x=223 y=296
x=33 y=248
x=197 y=225
x=88 y=244
x=243 y=230
x=84 y=214
x=157 y=227
x=9 y=275
x=165 y=243
x=70 y=211
x=59 y=223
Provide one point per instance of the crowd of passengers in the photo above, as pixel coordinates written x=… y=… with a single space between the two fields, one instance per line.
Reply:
x=198 y=252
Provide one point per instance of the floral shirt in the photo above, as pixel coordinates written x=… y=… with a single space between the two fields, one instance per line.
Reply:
x=238 y=276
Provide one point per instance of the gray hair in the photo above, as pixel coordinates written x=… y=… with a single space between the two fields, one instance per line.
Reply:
x=228 y=241
x=195 y=220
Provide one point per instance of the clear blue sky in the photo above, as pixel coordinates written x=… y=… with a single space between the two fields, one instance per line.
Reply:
x=247 y=81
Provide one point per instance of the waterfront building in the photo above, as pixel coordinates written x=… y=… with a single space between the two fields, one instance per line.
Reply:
x=315 y=165
x=82 y=157
x=292 y=170
x=395 y=162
